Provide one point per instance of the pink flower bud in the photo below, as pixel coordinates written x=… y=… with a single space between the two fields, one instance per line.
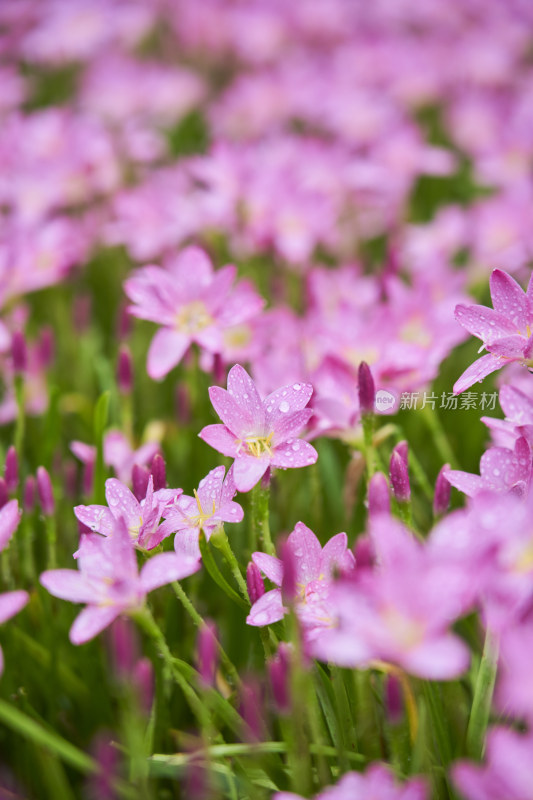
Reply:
x=254 y=582
x=100 y=785
x=251 y=710
x=364 y=552
x=159 y=472
x=183 y=404
x=393 y=699
x=219 y=372
x=46 y=347
x=139 y=479
x=399 y=477
x=29 y=493
x=4 y=494
x=19 y=352
x=367 y=389
x=124 y=370
x=11 y=470
x=402 y=448
x=443 y=490
x=124 y=323
x=206 y=653
x=278 y=670
x=378 y=495
x=88 y=478
x=143 y=680
x=45 y=491
x=123 y=647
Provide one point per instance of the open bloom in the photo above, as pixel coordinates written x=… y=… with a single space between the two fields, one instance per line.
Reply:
x=313 y=567
x=502 y=470
x=193 y=303
x=259 y=433
x=377 y=783
x=109 y=582
x=504 y=330
x=211 y=506
x=141 y=519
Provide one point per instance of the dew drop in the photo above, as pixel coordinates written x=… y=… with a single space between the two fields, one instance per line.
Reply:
x=296 y=446
x=284 y=406
x=296 y=387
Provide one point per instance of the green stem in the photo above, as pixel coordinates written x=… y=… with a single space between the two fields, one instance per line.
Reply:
x=261 y=519
x=51 y=537
x=20 y=425
x=368 y=423
x=481 y=704
x=211 y=566
x=220 y=540
x=440 y=439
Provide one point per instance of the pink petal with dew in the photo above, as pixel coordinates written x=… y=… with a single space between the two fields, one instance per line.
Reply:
x=485 y=323
x=248 y=470
x=11 y=603
x=502 y=468
x=466 y=482
x=235 y=417
x=166 y=351
x=289 y=426
x=92 y=621
x=242 y=388
x=230 y=512
x=477 y=371
x=509 y=299
x=69 y=584
x=9 y=520
x=210 y=487
x=122 y=502
x=165 y=568
x=186 y=543
x=96 y=518
x=294 y=453
x=511 y=348
x=335 y=555
x=307 y=553
x=220 y=438
x=85 y=452
x=441 y=659
x=271 y=566
x=291 y=398
x=229 y=490
x=268 y=609
x=516 y=405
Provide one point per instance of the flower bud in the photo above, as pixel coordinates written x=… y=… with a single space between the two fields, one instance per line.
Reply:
x=124 y=370
x=254 y=582
x=393 y=699
x=399 y=477
x=11 y=470
x=4 y=494
x=278 y=670
x=19 y=352
x=251 y=710
x=46 y=347
x=159 y=472
x=139 y=479
x=45 y=491
x=443 y=491
x=29 y=494
x=367 y=389
x=143 y=680
x=378 y=495
x=207 y=652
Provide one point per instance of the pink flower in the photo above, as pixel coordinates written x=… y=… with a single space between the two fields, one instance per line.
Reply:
x=118 y=454
x=259 y=433
x=506 y=772
x=193 y=303
x=141 y=519
x=377 y=783
x=505 y=330
x=502 y=470
x=211 y=506
x=9 y=520
x=10 y=604
x=109 y=582
x=313 y=567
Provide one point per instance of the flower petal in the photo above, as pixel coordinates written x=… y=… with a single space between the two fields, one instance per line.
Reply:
x=11 y=603
x=92 y=621
x=440 y=659
x=270 y=566
x=268 y=609
x=294 y=453
x=166 y=351
x=466 y=482
x=477 y=371
x=97 y=518
x=307 y=552
x=9 y=520
x=248 y=470
x=69 y=584
x=509 y=299
x=234 y=416
x=288 y=426
x=165 y=568
x=483 y=322
x=510 y=347
x=220 y=438
x=242 y=388
x=291 y=398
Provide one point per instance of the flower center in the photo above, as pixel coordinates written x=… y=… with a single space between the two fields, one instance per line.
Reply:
x=257 y=445
x=201 y=518
x=193 y=317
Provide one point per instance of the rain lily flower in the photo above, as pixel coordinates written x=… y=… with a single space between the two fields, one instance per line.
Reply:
x=142 y=519
x=504 y=330
x=314 y=567
x=118 y=454
x=259 y=433
x=109 y=582
x=502 y=470
x=377 y=783
x=506 y=772
x=518 y=409
x=211 y=506
x=193 y=303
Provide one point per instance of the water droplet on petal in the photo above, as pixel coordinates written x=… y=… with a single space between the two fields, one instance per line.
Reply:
x=284 y=406
x=296 y=387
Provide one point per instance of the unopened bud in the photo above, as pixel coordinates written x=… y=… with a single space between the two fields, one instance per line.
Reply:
x=278 y=670
x=124 y=370
x=399 y=477
x=393 y=699
x=443 y=491
x=139 y=479
x=11 y=470
x=19 y=352
x=45 y=491
x=367 y=389
x=46 y=347
x=29 y=493
x=254 y=582
x=4 y=494
x=206 y=653
x=159 y=472
x=378 y=495
x=143 y=680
